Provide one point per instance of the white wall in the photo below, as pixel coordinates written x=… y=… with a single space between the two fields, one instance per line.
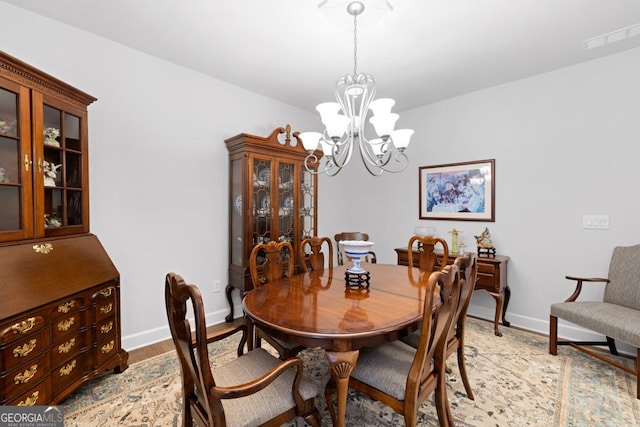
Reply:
x=158 y=162
x=565 y=144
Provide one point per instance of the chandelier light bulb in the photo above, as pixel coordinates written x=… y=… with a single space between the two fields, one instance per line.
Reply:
x=401 y=138
x=382 y=105
x=310 y=140
x=384 y=123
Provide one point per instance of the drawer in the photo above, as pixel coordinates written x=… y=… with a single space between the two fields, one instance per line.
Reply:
x=69 y=372
x=105 y=328
x=19 y=328
x=105 y=309
x=489 y=269
x=64 y=308
x=107 y=349
x=67 y=325
x=69 y=347
x=39 y=395
x=23 y=377
x=22 y=350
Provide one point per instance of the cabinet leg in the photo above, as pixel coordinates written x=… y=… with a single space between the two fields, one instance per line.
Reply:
x=228 y=290
x=498 y=297
x=507 y=297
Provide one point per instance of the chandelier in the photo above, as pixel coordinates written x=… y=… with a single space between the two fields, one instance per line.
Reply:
x=344 y=123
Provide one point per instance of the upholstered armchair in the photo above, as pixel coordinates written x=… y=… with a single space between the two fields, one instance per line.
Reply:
x=616 y=317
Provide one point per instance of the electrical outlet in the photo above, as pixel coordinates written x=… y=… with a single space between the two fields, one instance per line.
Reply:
x=216 y=286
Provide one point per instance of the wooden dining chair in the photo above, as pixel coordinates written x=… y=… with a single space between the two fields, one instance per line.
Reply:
x=311 y=256
x=468 y=270
x=353 y=235
x=253 y=389
x=268 y=262
x=468 y=267
x=426 y=247
x=401 y=376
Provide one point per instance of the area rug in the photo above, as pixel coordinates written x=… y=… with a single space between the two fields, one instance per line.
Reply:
x=515 y=380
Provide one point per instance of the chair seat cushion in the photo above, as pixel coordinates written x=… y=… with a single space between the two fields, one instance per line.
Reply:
x=385 y=367
x=612 y=320
x=266 y=404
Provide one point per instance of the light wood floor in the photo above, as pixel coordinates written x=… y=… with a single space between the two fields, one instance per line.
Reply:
x=152 y=350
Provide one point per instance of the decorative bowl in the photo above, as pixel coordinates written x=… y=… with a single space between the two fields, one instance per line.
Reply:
x=356 y=250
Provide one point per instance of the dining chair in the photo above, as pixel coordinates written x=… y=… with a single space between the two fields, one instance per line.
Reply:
x=426 y=247
x=468 y=270
x=254 y=389
x=402 y=377
x=267 y=262
x=311 y=256
x=353 y=235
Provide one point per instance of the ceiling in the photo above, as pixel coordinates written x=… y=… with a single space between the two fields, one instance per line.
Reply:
x=421 y=52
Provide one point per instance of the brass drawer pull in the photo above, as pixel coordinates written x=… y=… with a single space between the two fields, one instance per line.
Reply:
x=66 y=307
x=24 y=326
x=106 y=327
x=106 y=292
x=45 y=248
x=25 y=349
x=66 y=324
x=26 y=376
x=66 y=347
x=108 y=347
x=30 y=401
x=106 y=308
x=66 y=370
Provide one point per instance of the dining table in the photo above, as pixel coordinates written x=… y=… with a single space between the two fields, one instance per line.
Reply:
x=323 y=309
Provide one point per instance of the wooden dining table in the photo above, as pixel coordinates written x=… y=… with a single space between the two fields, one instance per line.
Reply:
x=319 y=309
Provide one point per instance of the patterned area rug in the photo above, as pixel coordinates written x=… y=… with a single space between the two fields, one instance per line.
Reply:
x=515 y=380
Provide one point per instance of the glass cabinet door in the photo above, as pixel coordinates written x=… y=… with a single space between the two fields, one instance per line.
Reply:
x=261 y=201
x=62 y=167
x=308 y=209
x=286 y=203
x=16 y=207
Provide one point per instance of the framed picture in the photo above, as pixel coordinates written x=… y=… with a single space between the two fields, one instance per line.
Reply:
x=458 y=191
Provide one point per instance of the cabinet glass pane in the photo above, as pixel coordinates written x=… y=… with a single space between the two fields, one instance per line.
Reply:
x=63 y=168
x=10 y=210
x=53 y=210
x=261 y=201
x=236 y=212
x=10 y=165
x=74 y=207
x=72 y=132
x=8 y=113
x=308 y=210
x=286 y=201
x=51 y=127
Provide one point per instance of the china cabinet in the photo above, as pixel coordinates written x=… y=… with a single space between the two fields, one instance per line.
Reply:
x=59 y=290
x=272 y=196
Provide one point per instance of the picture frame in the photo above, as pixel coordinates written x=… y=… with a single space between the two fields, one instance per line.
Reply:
x=458 y=191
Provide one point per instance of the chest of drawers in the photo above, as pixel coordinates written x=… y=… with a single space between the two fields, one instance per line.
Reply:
x=59 y=318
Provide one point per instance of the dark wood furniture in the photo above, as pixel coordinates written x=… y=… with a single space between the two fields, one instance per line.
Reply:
x=271 y=197
x=492 y=277
x=315 y=309
x=256 y=387
x=59 y=318
x=269 y=262
x=59 y=291
x=311 y=255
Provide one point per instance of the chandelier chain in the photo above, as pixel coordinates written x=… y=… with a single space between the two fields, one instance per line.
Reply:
x=355 y=45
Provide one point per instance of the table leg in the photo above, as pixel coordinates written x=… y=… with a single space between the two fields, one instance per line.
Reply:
x=341 y=364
